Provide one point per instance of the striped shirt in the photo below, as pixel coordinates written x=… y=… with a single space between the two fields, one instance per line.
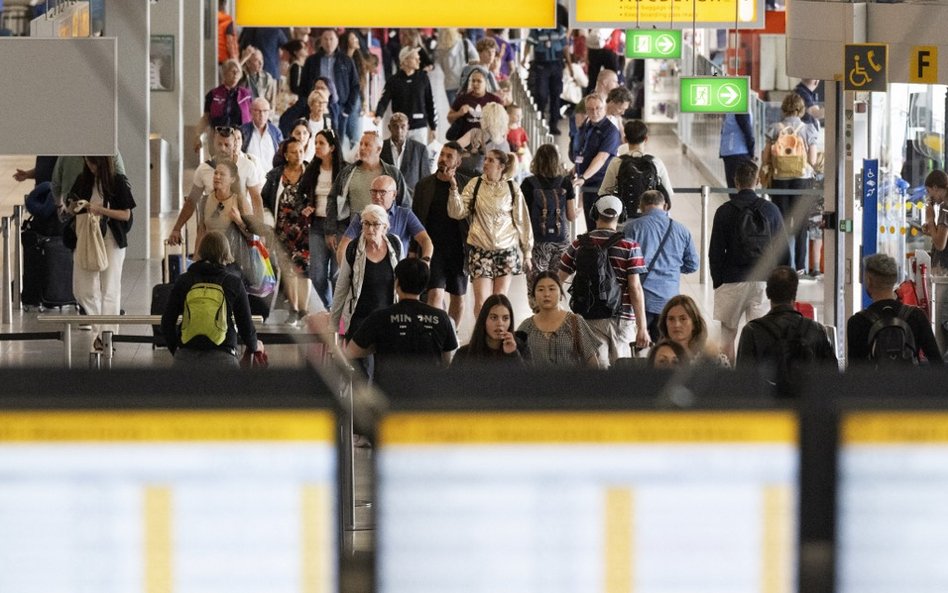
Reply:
x=625 y=257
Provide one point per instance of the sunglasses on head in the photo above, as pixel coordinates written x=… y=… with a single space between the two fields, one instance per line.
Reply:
x=224 y=131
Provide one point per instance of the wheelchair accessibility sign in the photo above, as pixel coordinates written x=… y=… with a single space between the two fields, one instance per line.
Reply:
x=866 y=67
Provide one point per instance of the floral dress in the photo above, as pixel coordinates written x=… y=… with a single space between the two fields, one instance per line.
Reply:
x=292 y=228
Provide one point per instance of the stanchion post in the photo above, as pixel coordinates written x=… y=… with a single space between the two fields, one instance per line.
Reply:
x=7 y=316
x=347 y=455
x=67 y=345
x=17 y=258
x=705 y=272
x=107 y=349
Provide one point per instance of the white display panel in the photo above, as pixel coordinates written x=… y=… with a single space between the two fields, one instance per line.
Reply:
x=168 y=502
x=892 y=514
x=651 y=503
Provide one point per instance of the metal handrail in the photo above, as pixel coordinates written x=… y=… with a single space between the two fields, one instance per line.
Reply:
x=68 y=321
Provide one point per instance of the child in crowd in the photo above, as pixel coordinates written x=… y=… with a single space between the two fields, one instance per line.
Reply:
x=517 y=138
x=505 y=91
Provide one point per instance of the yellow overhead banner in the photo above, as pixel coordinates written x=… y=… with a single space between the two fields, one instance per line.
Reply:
x=668 y=14
x=396 y=13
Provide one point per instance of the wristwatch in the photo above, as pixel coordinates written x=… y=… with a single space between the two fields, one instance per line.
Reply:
x=426 y=258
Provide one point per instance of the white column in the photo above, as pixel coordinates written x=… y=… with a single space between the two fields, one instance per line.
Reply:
x=129 y=21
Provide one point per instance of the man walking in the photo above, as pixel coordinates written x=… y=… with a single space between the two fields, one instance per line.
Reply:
x=783 y=341
x=615 y=324
x=350 y=191
x=597 y=143
x=408 y=331
x=404 y=152
x=430 y=204
x=747 y=239
x=668 y=248
x=888 y=331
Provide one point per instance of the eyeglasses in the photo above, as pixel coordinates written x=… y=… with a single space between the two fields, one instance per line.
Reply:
x=372 y=225
x=225 y=131
x=380 y=192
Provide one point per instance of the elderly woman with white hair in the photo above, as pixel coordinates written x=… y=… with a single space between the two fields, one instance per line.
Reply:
x=366 y=281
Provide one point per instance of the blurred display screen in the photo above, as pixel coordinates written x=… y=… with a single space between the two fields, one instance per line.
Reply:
x=168 y=501
x=488 y=502
x=892 y=516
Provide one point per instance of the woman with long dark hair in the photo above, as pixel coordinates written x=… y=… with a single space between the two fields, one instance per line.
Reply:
x=286 y=194
x=106 y=194
x=493 y=335
x=320 y=174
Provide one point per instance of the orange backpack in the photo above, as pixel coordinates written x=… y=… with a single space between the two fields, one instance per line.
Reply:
x=788 y=153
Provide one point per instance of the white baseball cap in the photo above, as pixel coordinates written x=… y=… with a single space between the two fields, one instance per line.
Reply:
x=609 y=206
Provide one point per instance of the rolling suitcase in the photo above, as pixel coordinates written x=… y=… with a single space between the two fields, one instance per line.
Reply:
x=57 y=281
x=171 y=268
x=34 y=268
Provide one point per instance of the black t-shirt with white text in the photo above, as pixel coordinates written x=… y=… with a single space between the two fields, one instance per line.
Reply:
x=408 y=330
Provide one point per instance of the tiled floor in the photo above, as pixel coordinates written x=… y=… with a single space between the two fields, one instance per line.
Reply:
x=139 y=275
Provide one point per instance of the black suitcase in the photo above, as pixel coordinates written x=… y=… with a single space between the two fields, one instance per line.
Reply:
x=57 y=287
x=159 y=300
x=34 y=267
x=170 y=268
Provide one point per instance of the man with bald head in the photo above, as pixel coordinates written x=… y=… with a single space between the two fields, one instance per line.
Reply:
x=350 y=191
x=261 y=137
x=401 y=220
x=406 y=153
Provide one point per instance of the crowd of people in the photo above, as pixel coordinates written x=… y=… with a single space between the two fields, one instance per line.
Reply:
x=388 y=232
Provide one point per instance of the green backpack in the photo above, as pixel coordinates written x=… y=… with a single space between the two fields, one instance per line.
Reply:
x=205 y=313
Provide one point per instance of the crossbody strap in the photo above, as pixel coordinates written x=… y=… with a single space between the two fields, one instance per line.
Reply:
x=658 y=252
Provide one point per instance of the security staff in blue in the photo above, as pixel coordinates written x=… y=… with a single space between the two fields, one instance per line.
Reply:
x=550 y=52
x=597 y=142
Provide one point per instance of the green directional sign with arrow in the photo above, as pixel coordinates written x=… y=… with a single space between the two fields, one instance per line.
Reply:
x=715 y=94
x=653 y=43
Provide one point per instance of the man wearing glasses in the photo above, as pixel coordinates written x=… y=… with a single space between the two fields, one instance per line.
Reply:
x=351 y=189
x=249 y=174
x=261 y=137
x=402 y=221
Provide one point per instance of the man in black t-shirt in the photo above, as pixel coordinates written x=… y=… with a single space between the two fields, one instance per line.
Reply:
x=430 y=205
x=409 y=330
x=881 y=275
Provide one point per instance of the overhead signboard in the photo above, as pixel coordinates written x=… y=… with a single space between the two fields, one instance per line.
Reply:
x=866 y=67
x=653 y=43
x=923 y=64
x=715 y=94
x=670 y=14
x=381 y=13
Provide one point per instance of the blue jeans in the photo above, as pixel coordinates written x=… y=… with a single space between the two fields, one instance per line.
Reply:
x=322 y=263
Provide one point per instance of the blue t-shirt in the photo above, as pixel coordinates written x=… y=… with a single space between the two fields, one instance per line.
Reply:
x=402 y=223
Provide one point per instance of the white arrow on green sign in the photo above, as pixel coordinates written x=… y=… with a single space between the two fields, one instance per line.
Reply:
x=653 y=43
x=715 y=94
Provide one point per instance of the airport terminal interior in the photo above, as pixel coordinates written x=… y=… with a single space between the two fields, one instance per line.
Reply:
x=655 y=464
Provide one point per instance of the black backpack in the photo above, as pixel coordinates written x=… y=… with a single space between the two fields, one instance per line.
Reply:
x=891 y=339
x=790 y=352
x=753 y=233
x=637 y=174
x=548 y=211
x=595 y=294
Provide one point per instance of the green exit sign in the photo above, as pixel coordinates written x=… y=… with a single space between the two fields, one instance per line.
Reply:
x=653 y=43
x=715 y=94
